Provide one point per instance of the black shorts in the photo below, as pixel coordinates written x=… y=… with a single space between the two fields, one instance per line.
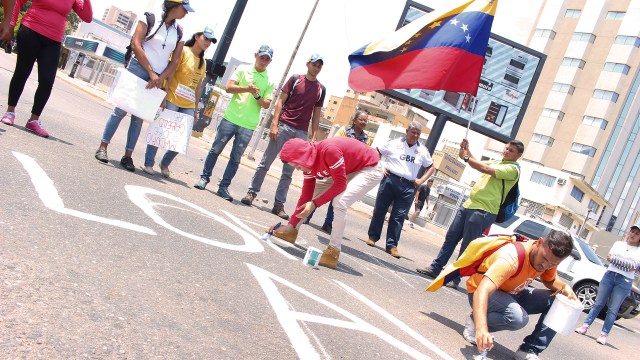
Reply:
x=419 y=205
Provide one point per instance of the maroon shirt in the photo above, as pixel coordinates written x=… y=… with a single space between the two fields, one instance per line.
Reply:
x=298 y=108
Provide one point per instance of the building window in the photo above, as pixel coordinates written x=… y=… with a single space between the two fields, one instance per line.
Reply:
x=594 y=121
x=586 y=37
x=572 y=13
x=542 y=139
x=544 y=33
x=615 y=15
x=628 y=40
x=583 y=149
x=553 y=114
x=593 y=206
x=543 y=179
x=605 y=95
x=563 y=88
x=615 y=67
x=577 y=193
x=565 y=221
x=572 y=62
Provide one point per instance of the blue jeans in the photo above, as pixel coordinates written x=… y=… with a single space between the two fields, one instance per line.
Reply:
x=614 y=287
x=169 y=155
x=401 y=193
x=511 y=312
x=467 y=225
x=226 y=130
x=135 y=127
x=285 y=133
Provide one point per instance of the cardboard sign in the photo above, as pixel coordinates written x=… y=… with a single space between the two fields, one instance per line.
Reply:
x=129 y=93
x=448 y=165
x=170 y=130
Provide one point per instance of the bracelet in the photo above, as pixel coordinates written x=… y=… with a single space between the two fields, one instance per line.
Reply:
x=257 y=98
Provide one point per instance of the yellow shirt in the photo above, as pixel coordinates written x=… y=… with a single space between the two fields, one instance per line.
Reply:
x=182 y=91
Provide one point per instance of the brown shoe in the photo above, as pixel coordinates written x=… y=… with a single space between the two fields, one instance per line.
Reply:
x=329 y=257
x=371 y=242
x=278 y=209
x=394 y=252
x=289 y=236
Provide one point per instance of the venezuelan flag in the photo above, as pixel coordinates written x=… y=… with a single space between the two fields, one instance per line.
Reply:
x=439 y=51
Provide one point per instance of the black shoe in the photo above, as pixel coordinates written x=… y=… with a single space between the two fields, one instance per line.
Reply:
x=223 y=192
x=327 y=228
x=428 y=271
x=306 y=220
x=451 y=284
x=127 y=163
x=101 y=155
x=248 y=199
x=278 y=209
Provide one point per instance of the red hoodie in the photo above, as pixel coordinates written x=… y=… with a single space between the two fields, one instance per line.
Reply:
x=335 y=157
x=49 y=17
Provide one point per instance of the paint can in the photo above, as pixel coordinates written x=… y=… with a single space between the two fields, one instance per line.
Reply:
x=563 y=315
x=312 y=257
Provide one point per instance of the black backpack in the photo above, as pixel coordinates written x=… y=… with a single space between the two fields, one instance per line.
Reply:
x=151 y=20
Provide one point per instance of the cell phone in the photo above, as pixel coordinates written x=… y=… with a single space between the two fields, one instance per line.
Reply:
x=6 y=45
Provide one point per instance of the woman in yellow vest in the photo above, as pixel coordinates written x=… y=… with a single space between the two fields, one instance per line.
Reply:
x=184 y=91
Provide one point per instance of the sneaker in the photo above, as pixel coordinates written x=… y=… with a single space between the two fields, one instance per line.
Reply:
x=289 y=236
x=371 y=242
x=148 y=170
x=394 y=252
x=9 y=118
x=127 y=163
x=329 y=257
x=582 y=329
x=427 y=271
x=452 y=284
x=469 y=332
x=278 y=209
x=523 y=355
x=327 y=228
x=36 y=127
x=101 y=155
x=200 y=184
x=248 y=199
x=411 y=225
x=164 y=171
x=602 y=339
x=223 y=192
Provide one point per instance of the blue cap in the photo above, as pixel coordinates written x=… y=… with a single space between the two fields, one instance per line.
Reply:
x=185 y=4
x=208 y=33
x=315 y=57
x=265 y=50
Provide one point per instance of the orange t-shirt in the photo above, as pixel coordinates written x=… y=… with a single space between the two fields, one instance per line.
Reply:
x=500 y=266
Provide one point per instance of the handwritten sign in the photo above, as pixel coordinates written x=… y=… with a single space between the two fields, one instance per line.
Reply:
x=170 y=130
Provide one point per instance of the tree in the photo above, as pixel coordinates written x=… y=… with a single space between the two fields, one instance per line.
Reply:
x=73 y=21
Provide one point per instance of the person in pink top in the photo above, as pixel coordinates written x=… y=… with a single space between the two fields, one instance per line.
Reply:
x=39 y=39
x=341 y=170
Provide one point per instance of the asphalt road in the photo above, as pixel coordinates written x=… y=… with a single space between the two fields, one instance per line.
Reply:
x=97 y=262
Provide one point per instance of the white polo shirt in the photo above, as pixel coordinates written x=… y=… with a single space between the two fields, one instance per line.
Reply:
x=403 y=160
x=159 y=49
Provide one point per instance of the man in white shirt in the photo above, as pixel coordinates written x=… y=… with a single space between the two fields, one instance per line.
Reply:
x=403 y=157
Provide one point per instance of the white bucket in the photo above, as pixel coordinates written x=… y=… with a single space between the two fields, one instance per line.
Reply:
x=563 y=315
x=312 y=257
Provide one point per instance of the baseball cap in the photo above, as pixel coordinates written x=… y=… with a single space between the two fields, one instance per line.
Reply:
x=265 y=50
x=315 y=57
x=636 y=225
x=208 y=33
x=184 y=3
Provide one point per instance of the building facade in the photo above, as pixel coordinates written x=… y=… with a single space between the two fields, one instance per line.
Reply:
x=122 y=20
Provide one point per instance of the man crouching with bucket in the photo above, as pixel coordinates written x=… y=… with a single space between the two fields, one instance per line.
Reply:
x=338 y=169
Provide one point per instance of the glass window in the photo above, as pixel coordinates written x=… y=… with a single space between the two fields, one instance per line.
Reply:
x=588 y=252
x=572 y=13
x=577 y=193
x=583 y=149
x=615 y=67
x=593 y=206
x=543 y=179
x=628 y=40
x=573 y=62
x=554 y=114
x=544 y=33
x=594 y=121
x=531 y=230
x=615 y=15
x=563 y=88
x=605 y=95
x=565 y=221
x=580 y=36
x=542 y=139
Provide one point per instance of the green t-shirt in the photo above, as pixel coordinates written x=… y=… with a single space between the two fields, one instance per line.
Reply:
x=243 y=110
x=487 y=193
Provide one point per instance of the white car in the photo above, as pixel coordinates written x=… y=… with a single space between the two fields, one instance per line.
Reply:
x=583 y=270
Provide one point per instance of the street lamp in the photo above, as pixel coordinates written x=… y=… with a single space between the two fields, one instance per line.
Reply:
x=589 y=210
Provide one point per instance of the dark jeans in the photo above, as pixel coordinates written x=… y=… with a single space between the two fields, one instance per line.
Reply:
x=34 y=47
x=226 y=131
x=392 y=190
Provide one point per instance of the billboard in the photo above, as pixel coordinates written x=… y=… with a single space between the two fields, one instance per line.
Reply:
x=509 y=75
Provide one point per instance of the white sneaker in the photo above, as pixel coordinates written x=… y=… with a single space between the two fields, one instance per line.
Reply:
x=411 y=225
x=469 y=332
x=148 y=170
x=521 y=355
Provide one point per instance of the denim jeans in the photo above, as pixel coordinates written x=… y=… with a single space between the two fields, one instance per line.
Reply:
x=135 y=127
x=399 y=192
x=511 y=312
x=285 y=133
x=169 y=155
x=467 y=225
x=226 y=130
x=614 y=287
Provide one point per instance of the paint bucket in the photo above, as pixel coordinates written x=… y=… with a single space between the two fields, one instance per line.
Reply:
x=312 y=257
x=563 y=315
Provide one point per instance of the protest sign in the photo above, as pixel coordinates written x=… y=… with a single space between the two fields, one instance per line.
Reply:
x=130 y=94
x=170 y=130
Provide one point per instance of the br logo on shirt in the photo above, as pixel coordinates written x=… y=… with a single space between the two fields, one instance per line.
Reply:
x=407 y=158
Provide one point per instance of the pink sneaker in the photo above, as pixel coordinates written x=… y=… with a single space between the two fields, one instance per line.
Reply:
x=582 y=329
x=9 y=118
x=602 y=339
x=36 y=127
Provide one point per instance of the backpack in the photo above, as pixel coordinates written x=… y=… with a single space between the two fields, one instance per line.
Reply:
x=509 y=204
x=151 y=20
x=298 y=79
x=478 y=250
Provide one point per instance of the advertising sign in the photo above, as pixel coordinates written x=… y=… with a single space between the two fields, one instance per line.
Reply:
x=448 y=165
x=81 y=44
x=508 y=79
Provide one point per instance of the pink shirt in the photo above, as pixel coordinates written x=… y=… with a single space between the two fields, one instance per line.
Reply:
x=49 y=17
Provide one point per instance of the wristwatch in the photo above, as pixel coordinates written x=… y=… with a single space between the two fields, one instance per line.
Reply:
x=258 y=98
x=466 y=159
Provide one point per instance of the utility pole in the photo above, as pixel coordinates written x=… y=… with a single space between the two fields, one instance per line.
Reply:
x=267 y=117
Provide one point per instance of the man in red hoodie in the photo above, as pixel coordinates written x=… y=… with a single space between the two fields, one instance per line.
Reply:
x=339 y=169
